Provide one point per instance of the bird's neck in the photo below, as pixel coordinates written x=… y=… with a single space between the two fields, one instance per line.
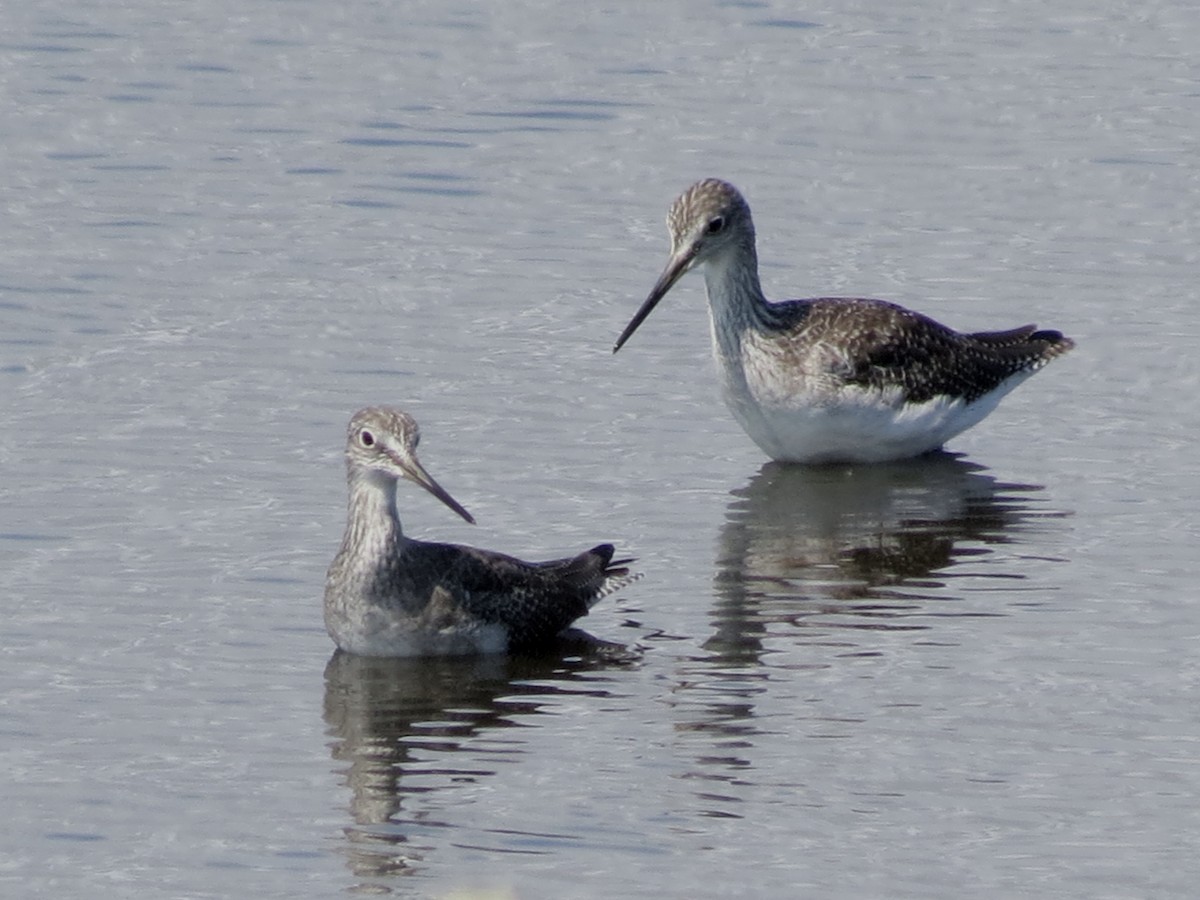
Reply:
x=373 y=529
x=735 y=296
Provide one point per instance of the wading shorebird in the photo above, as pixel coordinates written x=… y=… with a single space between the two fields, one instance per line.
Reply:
x=834 y=379
x=387 y=594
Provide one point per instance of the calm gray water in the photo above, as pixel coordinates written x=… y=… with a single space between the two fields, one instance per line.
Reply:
x=228 y=225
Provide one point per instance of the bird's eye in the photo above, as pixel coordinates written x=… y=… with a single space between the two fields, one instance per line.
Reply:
x=715 y=225
x=366 y=438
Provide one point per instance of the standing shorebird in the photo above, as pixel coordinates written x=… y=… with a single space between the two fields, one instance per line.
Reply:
x=389 y=595
x=834 y=379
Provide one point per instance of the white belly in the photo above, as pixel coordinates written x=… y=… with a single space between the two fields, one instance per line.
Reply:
x=860 y=427
x=813 y=420
x=377 y=635
x=361 y=625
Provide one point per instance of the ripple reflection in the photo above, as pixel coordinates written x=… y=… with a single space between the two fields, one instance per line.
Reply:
x=820 y=571
x=859 y=547
x=415 y=735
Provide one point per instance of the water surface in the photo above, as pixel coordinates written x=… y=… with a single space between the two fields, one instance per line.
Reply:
x=228 y=226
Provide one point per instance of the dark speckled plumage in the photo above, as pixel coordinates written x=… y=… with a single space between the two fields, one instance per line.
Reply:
x=834 y=379
x=894 y=346
x=389 y=595
x=451 y=586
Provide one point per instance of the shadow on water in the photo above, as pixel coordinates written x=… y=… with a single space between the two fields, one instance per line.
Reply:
x=413 y=734
x=860 y=547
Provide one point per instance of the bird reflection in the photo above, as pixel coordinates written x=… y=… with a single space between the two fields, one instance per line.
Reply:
x=828 y=558
x=857 y=546
x=410 y=731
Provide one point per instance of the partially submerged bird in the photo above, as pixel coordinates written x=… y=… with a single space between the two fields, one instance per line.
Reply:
x=389 y=595
x=834 y=379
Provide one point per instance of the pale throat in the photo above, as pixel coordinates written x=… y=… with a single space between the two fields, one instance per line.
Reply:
x=735 y=300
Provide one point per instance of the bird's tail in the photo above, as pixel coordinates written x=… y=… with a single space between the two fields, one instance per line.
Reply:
x=614 y=574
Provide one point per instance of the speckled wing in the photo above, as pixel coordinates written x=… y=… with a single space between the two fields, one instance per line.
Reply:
x=534 y=601
x=886 y=346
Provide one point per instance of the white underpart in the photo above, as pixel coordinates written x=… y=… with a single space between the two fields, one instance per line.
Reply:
x=852 y=424
x=380 y=633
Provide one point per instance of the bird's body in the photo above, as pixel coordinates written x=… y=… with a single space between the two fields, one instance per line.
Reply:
x=387 y=594
x=834 y=379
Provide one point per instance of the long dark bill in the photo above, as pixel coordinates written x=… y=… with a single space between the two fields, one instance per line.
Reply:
x=416 y=473
x=675 y=268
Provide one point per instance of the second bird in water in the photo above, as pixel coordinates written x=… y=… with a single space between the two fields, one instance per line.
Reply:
x=387 y=594
x=834 y=379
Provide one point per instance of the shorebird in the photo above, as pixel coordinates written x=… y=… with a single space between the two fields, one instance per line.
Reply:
x=387 y=594
x=834 y=379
